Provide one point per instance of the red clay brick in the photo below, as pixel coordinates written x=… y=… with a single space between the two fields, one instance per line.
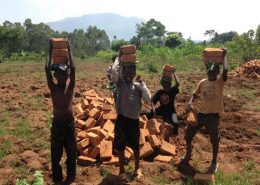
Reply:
x=113 y=161
x=168 y=148
x=141 y=138
x=80 y=124
x=94 y=153
x=109 y=126
x=154 y=141
x=103 y=134
x=85 y=161
x=146 y=150
x=82 y=135
x=94 y=113
x=163 y=158
x=94 y=139
x=109 y=100
x=83 y=144
x=153 y=127
x=77 y=109
x=90 y=123
x=105 y=150
x=84 y=104
x=110 y=115
x=81 y=116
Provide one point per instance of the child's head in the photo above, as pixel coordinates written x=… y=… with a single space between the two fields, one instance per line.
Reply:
x=61 y=74
x=212 y=70
x=128 y=73
x=166 y=83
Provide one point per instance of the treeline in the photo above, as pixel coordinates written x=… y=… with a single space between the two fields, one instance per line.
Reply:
x=29 y=39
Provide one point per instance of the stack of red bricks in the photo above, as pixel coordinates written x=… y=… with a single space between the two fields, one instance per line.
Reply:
x=95 y=118
x=249 y=69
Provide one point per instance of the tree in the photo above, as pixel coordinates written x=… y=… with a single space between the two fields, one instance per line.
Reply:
x=246 y=46
x=210 y=33
x=173 y=39
x=96 y=40
x=257 y=35
x=13 y=38
x=152 y=32
x=223 y=37
x=116 y=44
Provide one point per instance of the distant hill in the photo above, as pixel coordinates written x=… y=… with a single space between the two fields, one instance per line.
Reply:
x=113 y=24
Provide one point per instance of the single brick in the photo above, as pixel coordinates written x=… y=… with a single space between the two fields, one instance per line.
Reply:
x=105 y=150
x=90 y=123
x=107 y=107
x=102 y=134
x=94 y=113
x=146 y=150
x=77 y=109
x=141 y=138
x=84 y=104
x=83 y=144
x=94 y=153
x=113 y=161
x=154 y=141
x=110 y=115
x=80 y=124
x=109 y=126
x=109 y=100
x=95 y=130
x=81 y=116
x=94 y=139
x=168 y=148
x=153 y=127
x=82 y=135
x=163 y=158
x=85 y=161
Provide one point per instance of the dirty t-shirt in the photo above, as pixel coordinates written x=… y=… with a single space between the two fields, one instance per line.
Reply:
x=166 y=99
x=211 y=94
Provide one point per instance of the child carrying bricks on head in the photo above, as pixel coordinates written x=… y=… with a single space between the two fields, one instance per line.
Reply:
x=166 y=97
x=63 y=129
x=128 y=106
x=211 y=95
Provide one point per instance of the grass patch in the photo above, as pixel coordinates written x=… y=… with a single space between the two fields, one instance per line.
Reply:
x=4 y=148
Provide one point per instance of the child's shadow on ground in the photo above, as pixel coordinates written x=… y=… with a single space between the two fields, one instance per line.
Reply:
x=109 y=179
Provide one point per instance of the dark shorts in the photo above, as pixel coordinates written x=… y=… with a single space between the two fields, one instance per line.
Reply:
x=127 y=132
x=210 y=121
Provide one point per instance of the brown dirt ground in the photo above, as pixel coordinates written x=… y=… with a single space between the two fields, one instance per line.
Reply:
x=23 y=86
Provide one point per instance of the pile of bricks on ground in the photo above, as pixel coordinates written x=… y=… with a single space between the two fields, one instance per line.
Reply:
x=249 y=69
x=95 y=118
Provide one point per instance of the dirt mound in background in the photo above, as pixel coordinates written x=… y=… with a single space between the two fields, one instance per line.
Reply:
x=249 y=69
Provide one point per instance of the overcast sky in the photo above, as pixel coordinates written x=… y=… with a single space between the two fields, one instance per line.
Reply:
x=191 y=17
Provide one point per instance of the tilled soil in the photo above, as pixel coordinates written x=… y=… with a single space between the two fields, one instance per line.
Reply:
x=25 y=97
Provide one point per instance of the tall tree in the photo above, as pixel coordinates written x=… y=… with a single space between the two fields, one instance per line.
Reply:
x=152 y=32
x=173 y=39
x=257 y=35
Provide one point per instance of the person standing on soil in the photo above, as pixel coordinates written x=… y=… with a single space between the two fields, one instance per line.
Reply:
x=128 y=107
x=63 y=128
x=166 y=97
x=211 y=95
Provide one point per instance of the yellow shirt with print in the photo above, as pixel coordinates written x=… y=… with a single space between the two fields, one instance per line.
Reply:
x=211 y=95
